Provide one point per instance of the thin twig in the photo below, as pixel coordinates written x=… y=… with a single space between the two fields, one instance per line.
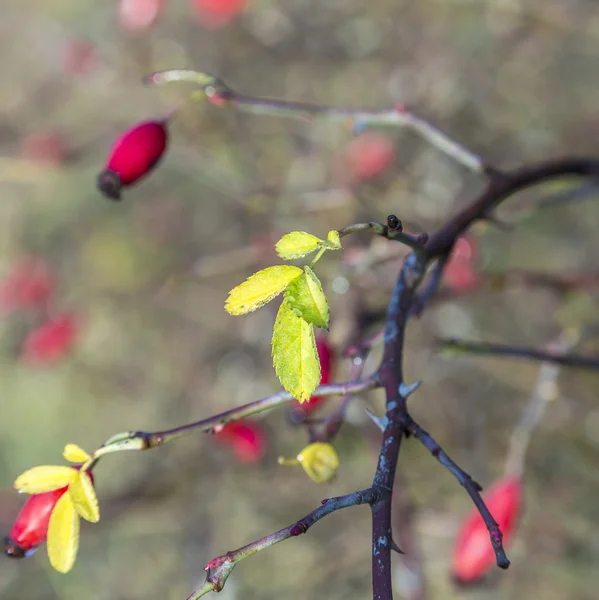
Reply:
x=472 y=487
x=221 y=95
x=220 y=568
x=567 y=359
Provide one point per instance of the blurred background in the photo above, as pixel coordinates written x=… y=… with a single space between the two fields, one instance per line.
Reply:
x=112 y=314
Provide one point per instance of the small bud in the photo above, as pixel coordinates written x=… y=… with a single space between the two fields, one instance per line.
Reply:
x=320 y=461
x=133 y=155
x=473 y=554
x=394 y=223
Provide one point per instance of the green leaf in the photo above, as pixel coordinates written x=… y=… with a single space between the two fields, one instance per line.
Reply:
x=294 y=354
x=260 y=288
x=297 y=244
x=306 y=298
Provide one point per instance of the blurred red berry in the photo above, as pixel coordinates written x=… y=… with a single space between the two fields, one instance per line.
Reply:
x=79 y=57
x=367 y=156
x=325 y=353
x=48 y=147
x=245 y=438
x=139 y=15
x=473 y=554
x=27 y=285
x=133 y=155
x=460 y=273
x=30 y=528
x=51 y=340
x=217 y=13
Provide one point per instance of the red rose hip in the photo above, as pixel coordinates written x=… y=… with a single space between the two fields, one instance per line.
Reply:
x=473 y=555
x=133 y=155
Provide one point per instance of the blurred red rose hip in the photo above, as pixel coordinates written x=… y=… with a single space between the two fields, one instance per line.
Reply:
x=473 y=555
x=133 y=155
x=460 y=273
x=51 y=340
x=325 y=353
x=367 y=156
x=246 y=438
x=217 y=13
x=27 y=285
x=139 y=15
x=46 y=147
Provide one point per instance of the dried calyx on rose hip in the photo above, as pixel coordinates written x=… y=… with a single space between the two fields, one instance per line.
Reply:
x=133 y=155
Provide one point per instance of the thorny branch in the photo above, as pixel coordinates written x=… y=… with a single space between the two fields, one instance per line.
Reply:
x=406 y=301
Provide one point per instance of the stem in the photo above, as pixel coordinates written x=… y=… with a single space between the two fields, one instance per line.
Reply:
x=223 y=96
x=558 y=357
x=220 y=568
x=140 y=440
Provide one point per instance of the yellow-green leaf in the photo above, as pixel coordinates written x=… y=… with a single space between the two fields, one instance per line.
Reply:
x=306 y=298
x=333 y=239
x=74 y=453
x=297 y=244
x=294 y=353
x=63 y=534
x=45 y=479
x=84 y=497
x=260 y=288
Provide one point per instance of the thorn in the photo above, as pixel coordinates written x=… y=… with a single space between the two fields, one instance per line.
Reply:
x=406 y=390
x=380 y=422
x=395 y=547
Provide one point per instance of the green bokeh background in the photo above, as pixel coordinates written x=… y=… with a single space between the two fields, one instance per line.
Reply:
x=514 y=80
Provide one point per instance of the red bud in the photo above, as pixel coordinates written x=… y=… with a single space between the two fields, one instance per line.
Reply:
x=246 y=438
x=325 y=353
x=30 y=528
x=134 y=154
x=51 y=340
x=31 y=525
x=473 y=554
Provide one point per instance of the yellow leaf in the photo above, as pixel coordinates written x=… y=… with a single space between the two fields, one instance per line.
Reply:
x=294 y=354
x=297 y=244
x=74 y=453
x=306 y=298
x=260 y=288
x=45 y=479
x=320 y=461
x=84 y=497
x=63 y=534
x=334 y=240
